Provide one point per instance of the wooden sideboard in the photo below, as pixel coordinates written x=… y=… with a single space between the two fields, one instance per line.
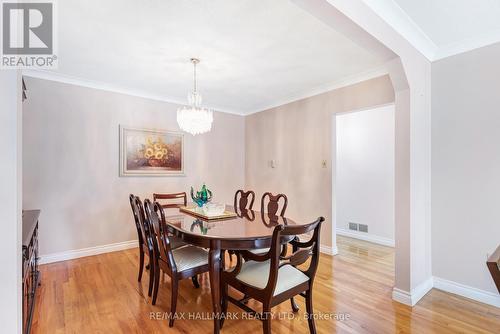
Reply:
x=31 y=274
x=494 y=267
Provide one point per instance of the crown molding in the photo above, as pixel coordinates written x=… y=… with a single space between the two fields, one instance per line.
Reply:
x=344 y=82
x=401 y=22
x=466 y=45
x=72 y=80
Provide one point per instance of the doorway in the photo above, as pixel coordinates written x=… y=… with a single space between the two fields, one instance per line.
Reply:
x=364 y=174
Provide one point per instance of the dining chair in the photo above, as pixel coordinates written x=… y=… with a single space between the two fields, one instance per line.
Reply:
x=173 y=196
x=271 y=210
x=179 y=263
x=243 y=203
x=145 y=245
x=174 y=242
x=272 y=278
x=241 y=200
x=273 y=204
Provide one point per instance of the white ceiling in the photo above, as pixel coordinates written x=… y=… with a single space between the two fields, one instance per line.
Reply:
x=254 y=54
x=441 y=28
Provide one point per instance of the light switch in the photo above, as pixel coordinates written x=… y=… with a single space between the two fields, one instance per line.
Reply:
x=272 y=163
x=323 y=163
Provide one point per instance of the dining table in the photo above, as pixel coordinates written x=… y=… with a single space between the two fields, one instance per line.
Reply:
x=247 y=230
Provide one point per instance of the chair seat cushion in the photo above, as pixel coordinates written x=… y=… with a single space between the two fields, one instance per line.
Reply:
x=189 y=257
x=176 y=242
x=256 y=274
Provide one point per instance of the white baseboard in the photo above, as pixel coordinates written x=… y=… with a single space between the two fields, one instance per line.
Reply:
x=329 y=250
x=401 y=296
x=459 y=289
x=467 y=291
x=75 y=254
x=412 y=298
x=366 y=237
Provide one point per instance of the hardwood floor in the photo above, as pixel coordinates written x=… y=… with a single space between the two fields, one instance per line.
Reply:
x=100 y=294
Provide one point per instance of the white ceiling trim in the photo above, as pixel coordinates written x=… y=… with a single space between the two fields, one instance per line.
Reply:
x=348 y=81
x=67 y=79
x=398 y=19
x=467 y=45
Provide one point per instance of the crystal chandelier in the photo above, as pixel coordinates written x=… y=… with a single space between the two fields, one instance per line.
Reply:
x=193 y=118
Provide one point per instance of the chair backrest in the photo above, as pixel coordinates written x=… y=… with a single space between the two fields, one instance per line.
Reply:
x=145 y=229
x=161 y=242
x=174 y=196
x=273 y=204
x=303 y=251
x=241 y=200
x=152 y=225
x=135 y=213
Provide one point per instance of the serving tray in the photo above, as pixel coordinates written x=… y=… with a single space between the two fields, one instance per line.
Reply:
x=198 y=212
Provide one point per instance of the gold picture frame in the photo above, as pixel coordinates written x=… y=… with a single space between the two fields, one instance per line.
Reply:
x=151 y=152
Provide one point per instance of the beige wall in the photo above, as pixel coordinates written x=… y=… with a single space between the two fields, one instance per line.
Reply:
x=71 y=156
x=298 y=136
x=10 y=201
x=466 y=166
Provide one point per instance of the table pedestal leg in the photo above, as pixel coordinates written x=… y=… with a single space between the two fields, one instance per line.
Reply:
x=214 y=261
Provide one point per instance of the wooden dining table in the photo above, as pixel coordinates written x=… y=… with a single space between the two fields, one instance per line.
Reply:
x=248 y=230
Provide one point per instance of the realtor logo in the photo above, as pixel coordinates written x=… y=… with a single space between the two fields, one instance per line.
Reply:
x=28 y=34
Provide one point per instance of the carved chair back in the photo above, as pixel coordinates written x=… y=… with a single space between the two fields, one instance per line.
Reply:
x=303 y=251
x=146 y=230
x=174 y=196
x=272 y=206
x=243 y=200
x=161 y=243
x=137 y=221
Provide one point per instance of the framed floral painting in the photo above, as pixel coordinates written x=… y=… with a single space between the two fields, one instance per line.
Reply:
x=145 y=152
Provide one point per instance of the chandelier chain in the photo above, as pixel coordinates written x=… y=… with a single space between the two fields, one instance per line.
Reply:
x=195 y=62
x=194 y=85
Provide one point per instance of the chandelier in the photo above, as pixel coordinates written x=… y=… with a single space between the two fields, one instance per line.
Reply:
x=193 y=118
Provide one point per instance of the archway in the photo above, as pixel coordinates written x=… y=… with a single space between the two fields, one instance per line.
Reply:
x=410 y=75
